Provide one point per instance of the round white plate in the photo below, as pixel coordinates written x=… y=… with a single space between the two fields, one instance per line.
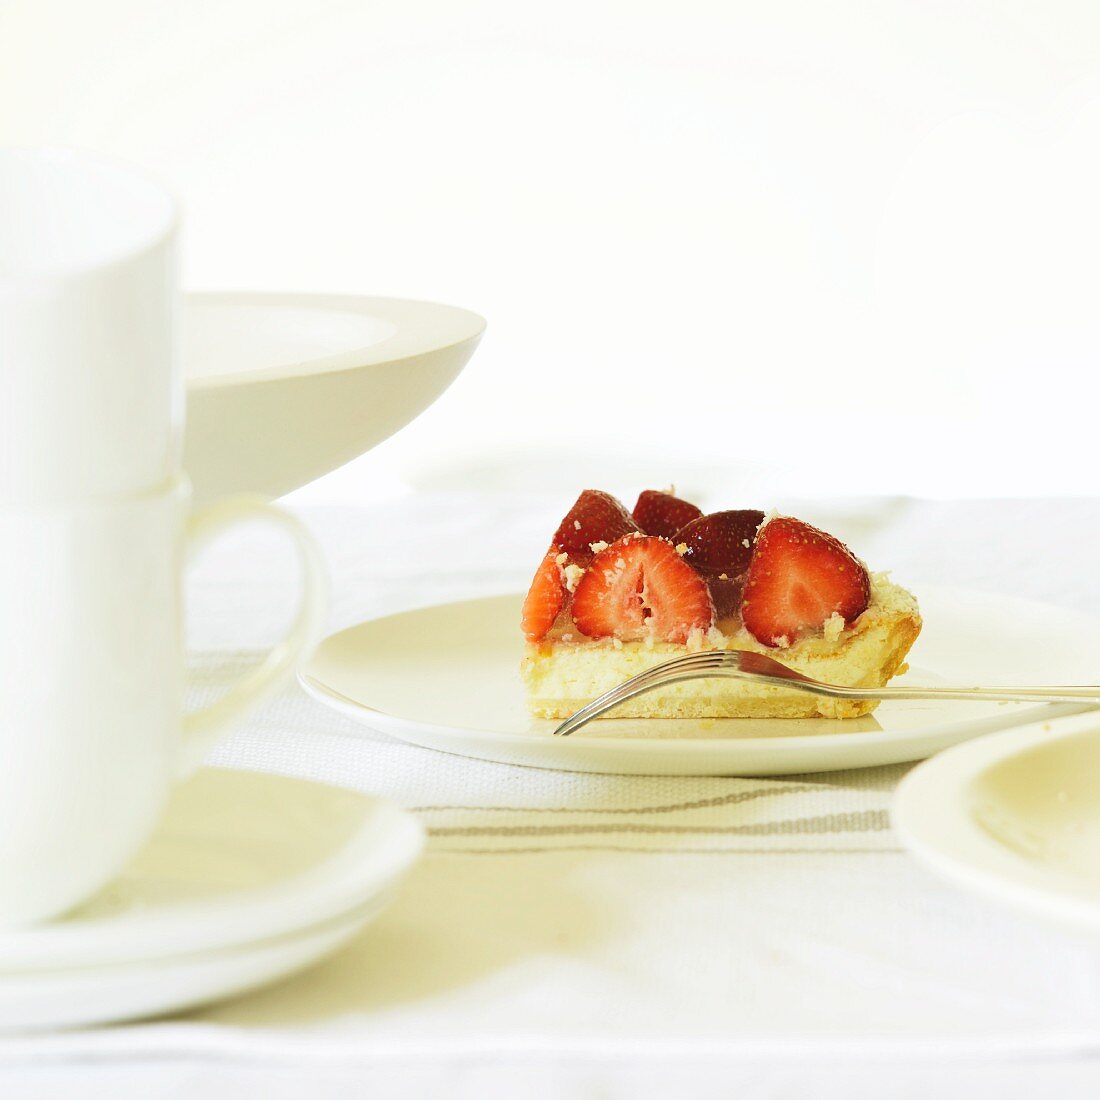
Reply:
x=239 y=859
x=447 y=677
x=1015 y=816
x=83 y=996
x=282 y=388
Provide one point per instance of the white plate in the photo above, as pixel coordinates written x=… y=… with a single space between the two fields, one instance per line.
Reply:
x=80 y=997
x=1016 y=817
x=238 y=859
x=282 y=388
x=447 y=677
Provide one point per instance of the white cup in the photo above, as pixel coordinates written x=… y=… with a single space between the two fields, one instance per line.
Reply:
x=93 y=394
x=92 y=733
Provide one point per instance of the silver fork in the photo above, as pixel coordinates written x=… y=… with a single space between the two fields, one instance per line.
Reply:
x=742 y=664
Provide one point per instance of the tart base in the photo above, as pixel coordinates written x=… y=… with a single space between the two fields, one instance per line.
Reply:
x=563 y=675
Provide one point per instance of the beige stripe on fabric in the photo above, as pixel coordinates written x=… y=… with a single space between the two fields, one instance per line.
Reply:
x=732 y=799
x=671 y=851
x=863 y=821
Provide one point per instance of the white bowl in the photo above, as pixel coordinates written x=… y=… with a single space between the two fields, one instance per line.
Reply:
x=282 y=388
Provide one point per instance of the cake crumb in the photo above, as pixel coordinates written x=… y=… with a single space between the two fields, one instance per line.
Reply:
x=562 y=558
x=681 y=548
x=723 y=576
x=597 y=547
x=783 y=642
x=576 y=525
x=833 y=626
x=745 y=543
x=768 y=517
x=573 y=574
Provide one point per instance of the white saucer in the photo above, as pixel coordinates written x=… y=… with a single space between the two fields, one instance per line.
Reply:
x=447 y=677
x=247 y=878
x=1015 y=816
x=282 y=388
x=82 y=997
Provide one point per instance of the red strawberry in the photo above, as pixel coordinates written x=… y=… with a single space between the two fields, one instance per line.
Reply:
x=725 y=594
x=663 y=514
x=640 y=585
x=721 y=542
x=719 y=545
x=799 y=576
x=545 y=598
x=596 y=517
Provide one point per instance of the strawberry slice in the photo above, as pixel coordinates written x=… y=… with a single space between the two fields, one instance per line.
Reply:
x=663 y=514
x=640 y=586
x=721 y=542
x=798 y=577
x=719 y=545
x=725 y=594
x=545 y=598
x=595 y=517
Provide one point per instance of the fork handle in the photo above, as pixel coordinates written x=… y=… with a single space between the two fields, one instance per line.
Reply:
x=1064 y=694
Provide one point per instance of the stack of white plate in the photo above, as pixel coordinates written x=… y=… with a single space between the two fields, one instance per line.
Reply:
x=251 y=877
x=248 y=878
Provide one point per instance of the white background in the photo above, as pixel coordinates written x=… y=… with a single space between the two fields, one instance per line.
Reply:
x=799 y=247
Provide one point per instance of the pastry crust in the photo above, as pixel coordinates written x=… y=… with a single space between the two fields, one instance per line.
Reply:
x=563 y=672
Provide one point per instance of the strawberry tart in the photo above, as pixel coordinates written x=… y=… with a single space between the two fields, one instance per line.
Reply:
x=618 y=592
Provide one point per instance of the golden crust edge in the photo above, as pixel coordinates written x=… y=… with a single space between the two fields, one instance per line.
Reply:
x=905 y=626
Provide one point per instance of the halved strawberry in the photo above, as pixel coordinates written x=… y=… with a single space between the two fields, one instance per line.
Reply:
x=663 y=514
x=721 y=542
x=595 y=517
x=719 y=545
x=638 y=586
x=545 y=597
x=799 y=576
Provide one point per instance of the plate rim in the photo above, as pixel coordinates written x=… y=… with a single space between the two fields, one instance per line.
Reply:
x=930 y=811
x=99 y=1002
x=419 y=328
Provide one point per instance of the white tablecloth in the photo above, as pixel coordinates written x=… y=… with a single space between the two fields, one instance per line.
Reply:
x=577 y=935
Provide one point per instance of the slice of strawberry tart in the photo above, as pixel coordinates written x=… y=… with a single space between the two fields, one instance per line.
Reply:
x=618 y=592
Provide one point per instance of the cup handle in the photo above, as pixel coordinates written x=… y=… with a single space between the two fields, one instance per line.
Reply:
x=204 y=728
